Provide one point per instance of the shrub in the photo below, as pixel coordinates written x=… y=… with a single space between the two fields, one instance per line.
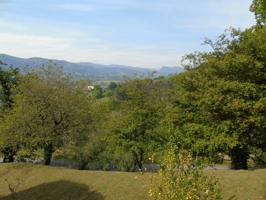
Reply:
x=182 y=178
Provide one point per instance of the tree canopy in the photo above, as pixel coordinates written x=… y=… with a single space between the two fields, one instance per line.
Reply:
x=219 y=106
x=48 y=108
x=216 y=107
x=259 y=9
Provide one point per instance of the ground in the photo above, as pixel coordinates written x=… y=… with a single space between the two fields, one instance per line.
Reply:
x=32 y=182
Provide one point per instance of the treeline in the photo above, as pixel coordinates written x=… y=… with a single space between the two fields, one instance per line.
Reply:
x=216 y=107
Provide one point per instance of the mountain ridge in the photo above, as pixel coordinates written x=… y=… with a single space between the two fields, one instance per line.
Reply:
x=87 y=69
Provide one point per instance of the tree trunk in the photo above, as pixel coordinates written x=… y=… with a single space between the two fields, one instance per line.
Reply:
x=48 y=153
x=9 y=154
x=9 y=159
x=239 y=157
x=139 y=165
x=138 y=161
x=83 y=165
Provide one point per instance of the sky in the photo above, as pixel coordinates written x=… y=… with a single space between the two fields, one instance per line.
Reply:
x=141 y=33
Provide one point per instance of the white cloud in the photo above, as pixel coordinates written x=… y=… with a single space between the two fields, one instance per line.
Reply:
x=31 y=45
x=68 y=40
x=97 y=51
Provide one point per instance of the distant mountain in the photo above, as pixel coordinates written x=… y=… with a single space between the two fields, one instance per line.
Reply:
x=89 y=70
x=165 y=71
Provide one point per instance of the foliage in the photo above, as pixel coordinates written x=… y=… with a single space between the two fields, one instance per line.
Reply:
x=219 y=106
x=216 y=107
x=8 y=80
x=259 y=8
x=132 y=126
x=110 y=89
x=182 y=178
x=49 y=107
x=82 y=145
x=97 y=92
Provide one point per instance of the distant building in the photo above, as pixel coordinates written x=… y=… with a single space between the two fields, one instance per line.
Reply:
x=90 y=87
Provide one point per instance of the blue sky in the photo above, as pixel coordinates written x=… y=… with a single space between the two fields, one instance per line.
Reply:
x=144 y=33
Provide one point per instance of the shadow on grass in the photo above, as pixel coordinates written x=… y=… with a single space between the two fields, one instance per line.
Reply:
x=59 y=190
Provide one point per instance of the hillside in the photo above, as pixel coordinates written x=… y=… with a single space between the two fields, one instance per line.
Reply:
x=49 y=183
x=89 y=70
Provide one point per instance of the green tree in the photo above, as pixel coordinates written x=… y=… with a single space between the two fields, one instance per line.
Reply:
x=110 y=90
x=133 y=125
x=259 y=9
x=8 y=80
x=49 y=107
x=219 y=105
x=82 y=145
x=112 y=86
x=97 y=92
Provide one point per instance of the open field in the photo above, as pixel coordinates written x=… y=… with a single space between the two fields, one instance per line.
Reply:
x=32 y=182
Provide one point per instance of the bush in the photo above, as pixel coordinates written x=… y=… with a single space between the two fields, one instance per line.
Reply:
x=182 y=178
x=29 y=155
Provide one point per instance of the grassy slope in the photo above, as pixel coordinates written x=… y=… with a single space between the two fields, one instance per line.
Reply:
x=47 y=183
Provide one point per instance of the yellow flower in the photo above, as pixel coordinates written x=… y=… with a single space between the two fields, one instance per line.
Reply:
x=150 y=193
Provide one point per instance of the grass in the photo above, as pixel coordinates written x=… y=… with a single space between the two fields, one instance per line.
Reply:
x=242 y=184
x=32 y=182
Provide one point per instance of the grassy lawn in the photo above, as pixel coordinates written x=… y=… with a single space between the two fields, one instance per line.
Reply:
x=35 y=182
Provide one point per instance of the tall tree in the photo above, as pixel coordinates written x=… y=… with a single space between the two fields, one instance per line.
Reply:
x=219 y=105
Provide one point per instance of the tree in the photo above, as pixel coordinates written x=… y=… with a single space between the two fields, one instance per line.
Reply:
x=82 y=145
x=111 y=88
x=8 y=80
x=49 y=107
x=219 y=106
x=97 y=92
x=133 y=125
x=259 y=9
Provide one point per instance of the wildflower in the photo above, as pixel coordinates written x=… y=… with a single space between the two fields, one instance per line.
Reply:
x=150 y=193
